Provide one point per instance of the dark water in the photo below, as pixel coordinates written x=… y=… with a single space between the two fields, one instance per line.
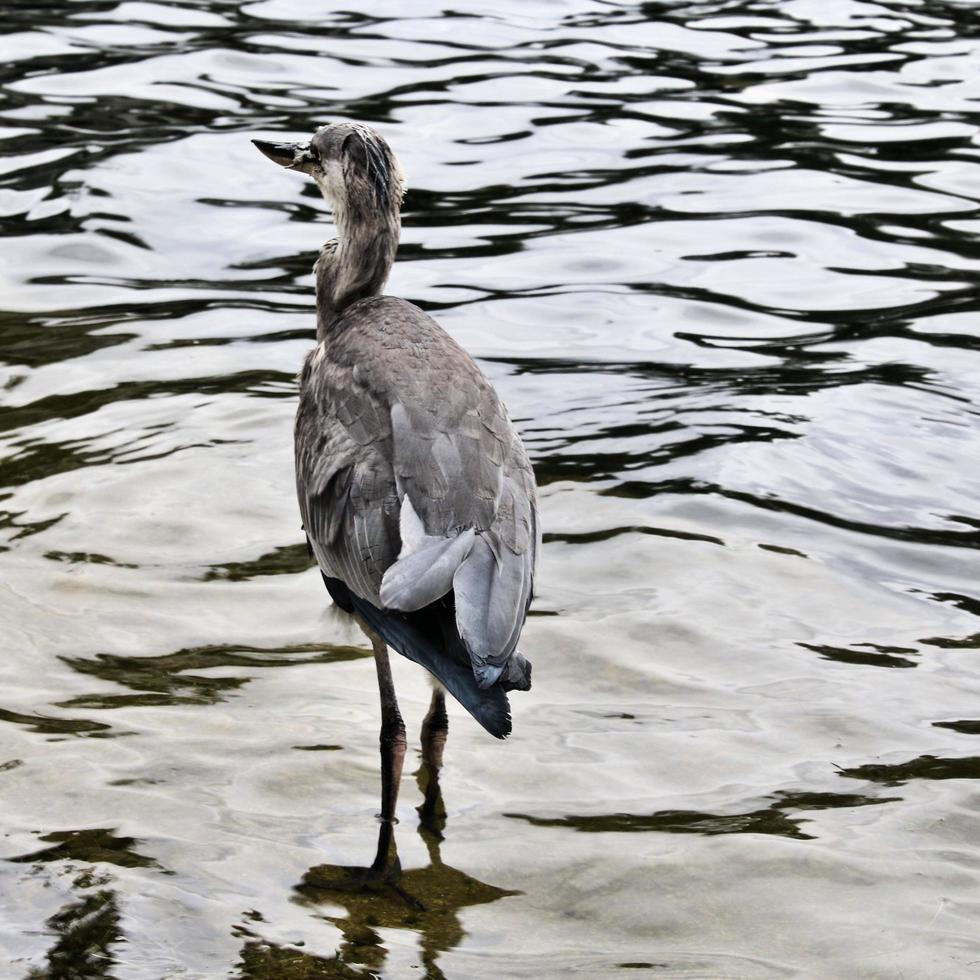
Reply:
x=721 y=259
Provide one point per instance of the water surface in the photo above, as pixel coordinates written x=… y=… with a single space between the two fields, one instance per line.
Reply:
x=721 y=261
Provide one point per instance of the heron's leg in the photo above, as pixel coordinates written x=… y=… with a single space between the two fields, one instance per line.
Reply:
x=435 y=728
x=385 y=870
x=393 y=742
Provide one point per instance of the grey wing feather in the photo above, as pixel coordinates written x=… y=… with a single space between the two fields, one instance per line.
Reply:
x=463 y=466
x=425 y=575
x=345 y=484
x=491 y=601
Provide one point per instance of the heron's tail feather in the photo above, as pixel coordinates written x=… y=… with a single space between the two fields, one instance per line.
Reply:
x=425 y=638
x=492 y=589
x=517 y=673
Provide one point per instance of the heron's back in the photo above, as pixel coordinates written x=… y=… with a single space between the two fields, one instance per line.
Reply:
x=416 y=491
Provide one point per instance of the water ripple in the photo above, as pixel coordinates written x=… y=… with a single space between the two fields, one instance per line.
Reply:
x=721 y=260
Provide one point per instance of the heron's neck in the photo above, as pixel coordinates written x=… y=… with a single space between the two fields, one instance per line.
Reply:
x=356 y=264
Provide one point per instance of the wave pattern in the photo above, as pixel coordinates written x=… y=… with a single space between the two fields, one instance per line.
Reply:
x=721 y=259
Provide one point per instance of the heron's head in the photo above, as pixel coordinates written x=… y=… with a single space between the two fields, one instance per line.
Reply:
x=352 y=165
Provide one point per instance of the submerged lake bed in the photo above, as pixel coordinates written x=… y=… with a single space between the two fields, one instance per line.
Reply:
x=720 y=261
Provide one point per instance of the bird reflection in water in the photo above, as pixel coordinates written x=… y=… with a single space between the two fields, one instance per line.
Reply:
x=85 y=932
x=426 y=900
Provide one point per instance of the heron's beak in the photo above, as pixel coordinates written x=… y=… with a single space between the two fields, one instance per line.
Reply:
x=292 y=156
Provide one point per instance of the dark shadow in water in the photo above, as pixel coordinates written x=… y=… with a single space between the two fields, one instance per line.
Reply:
x=924 y=767
x=38 y=459
x=43 y=725
x=967 y=603
x=770 y=820
x=270 y=384
x=589 y=537
x=35 y=339
x=85 y=933
x=644 y=490
x=971 y=642
x=964 y=727
x=86 y=558
x=264 y=961
x=290 y=559
x=86 y=928
x=427 y=901
x=24 y=529
x=162 y=680
x=882 y=657
x=99 y=844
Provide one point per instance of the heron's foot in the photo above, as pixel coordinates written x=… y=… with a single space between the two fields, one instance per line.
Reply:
x=378 y=883
x=352 y=878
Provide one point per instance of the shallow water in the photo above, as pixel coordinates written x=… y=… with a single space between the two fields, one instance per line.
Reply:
x=721 y=261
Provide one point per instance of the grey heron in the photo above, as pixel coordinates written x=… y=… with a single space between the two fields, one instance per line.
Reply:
x=416 y=493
